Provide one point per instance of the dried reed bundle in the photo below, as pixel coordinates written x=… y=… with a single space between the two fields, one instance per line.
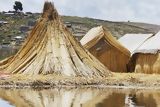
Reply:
x=51 y=48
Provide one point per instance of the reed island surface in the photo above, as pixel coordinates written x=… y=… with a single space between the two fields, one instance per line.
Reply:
x=52 y=57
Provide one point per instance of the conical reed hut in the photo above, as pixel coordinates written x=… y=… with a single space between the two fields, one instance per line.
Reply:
x=146 y=59
x=51 y=48
x=100 y=42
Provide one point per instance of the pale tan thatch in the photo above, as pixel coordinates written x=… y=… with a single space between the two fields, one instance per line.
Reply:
x=51 y=48
x=146 y=59
x=134 y=41
x=145 y=63
x=100 y=42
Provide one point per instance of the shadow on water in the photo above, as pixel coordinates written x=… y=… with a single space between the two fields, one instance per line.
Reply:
x=80 y=98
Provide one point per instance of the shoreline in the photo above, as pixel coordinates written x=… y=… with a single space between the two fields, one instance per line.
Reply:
x=79 y=87
x=117 y=81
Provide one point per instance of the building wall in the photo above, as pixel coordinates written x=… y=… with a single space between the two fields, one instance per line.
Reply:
x=146 y=63
x=111 y=57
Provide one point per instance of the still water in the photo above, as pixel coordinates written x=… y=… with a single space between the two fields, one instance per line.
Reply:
x=79 y=98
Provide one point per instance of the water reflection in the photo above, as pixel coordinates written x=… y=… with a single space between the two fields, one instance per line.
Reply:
x=80 y=98
x=52 y=98
x=153 y=99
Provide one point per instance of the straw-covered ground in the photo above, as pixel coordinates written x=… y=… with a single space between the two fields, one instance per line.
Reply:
x=117 y=80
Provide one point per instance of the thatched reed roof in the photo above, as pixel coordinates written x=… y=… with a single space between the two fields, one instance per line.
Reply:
x=100 y=42
x=51 y=48
x=134 y=41
x=97 y=33
x=150 y=46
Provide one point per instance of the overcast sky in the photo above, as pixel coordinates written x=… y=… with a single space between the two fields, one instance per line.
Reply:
x=114 y=10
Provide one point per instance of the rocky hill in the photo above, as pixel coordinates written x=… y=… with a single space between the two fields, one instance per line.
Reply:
x=16 y=26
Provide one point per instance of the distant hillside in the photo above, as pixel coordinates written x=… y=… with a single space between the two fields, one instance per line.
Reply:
x=20 y=24
x=151 y=27
x=118 y=29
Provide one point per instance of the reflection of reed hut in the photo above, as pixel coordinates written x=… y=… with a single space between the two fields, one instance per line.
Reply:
x=51 y=49
x=80 y=98
x=53 y=98
x=107 y=49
